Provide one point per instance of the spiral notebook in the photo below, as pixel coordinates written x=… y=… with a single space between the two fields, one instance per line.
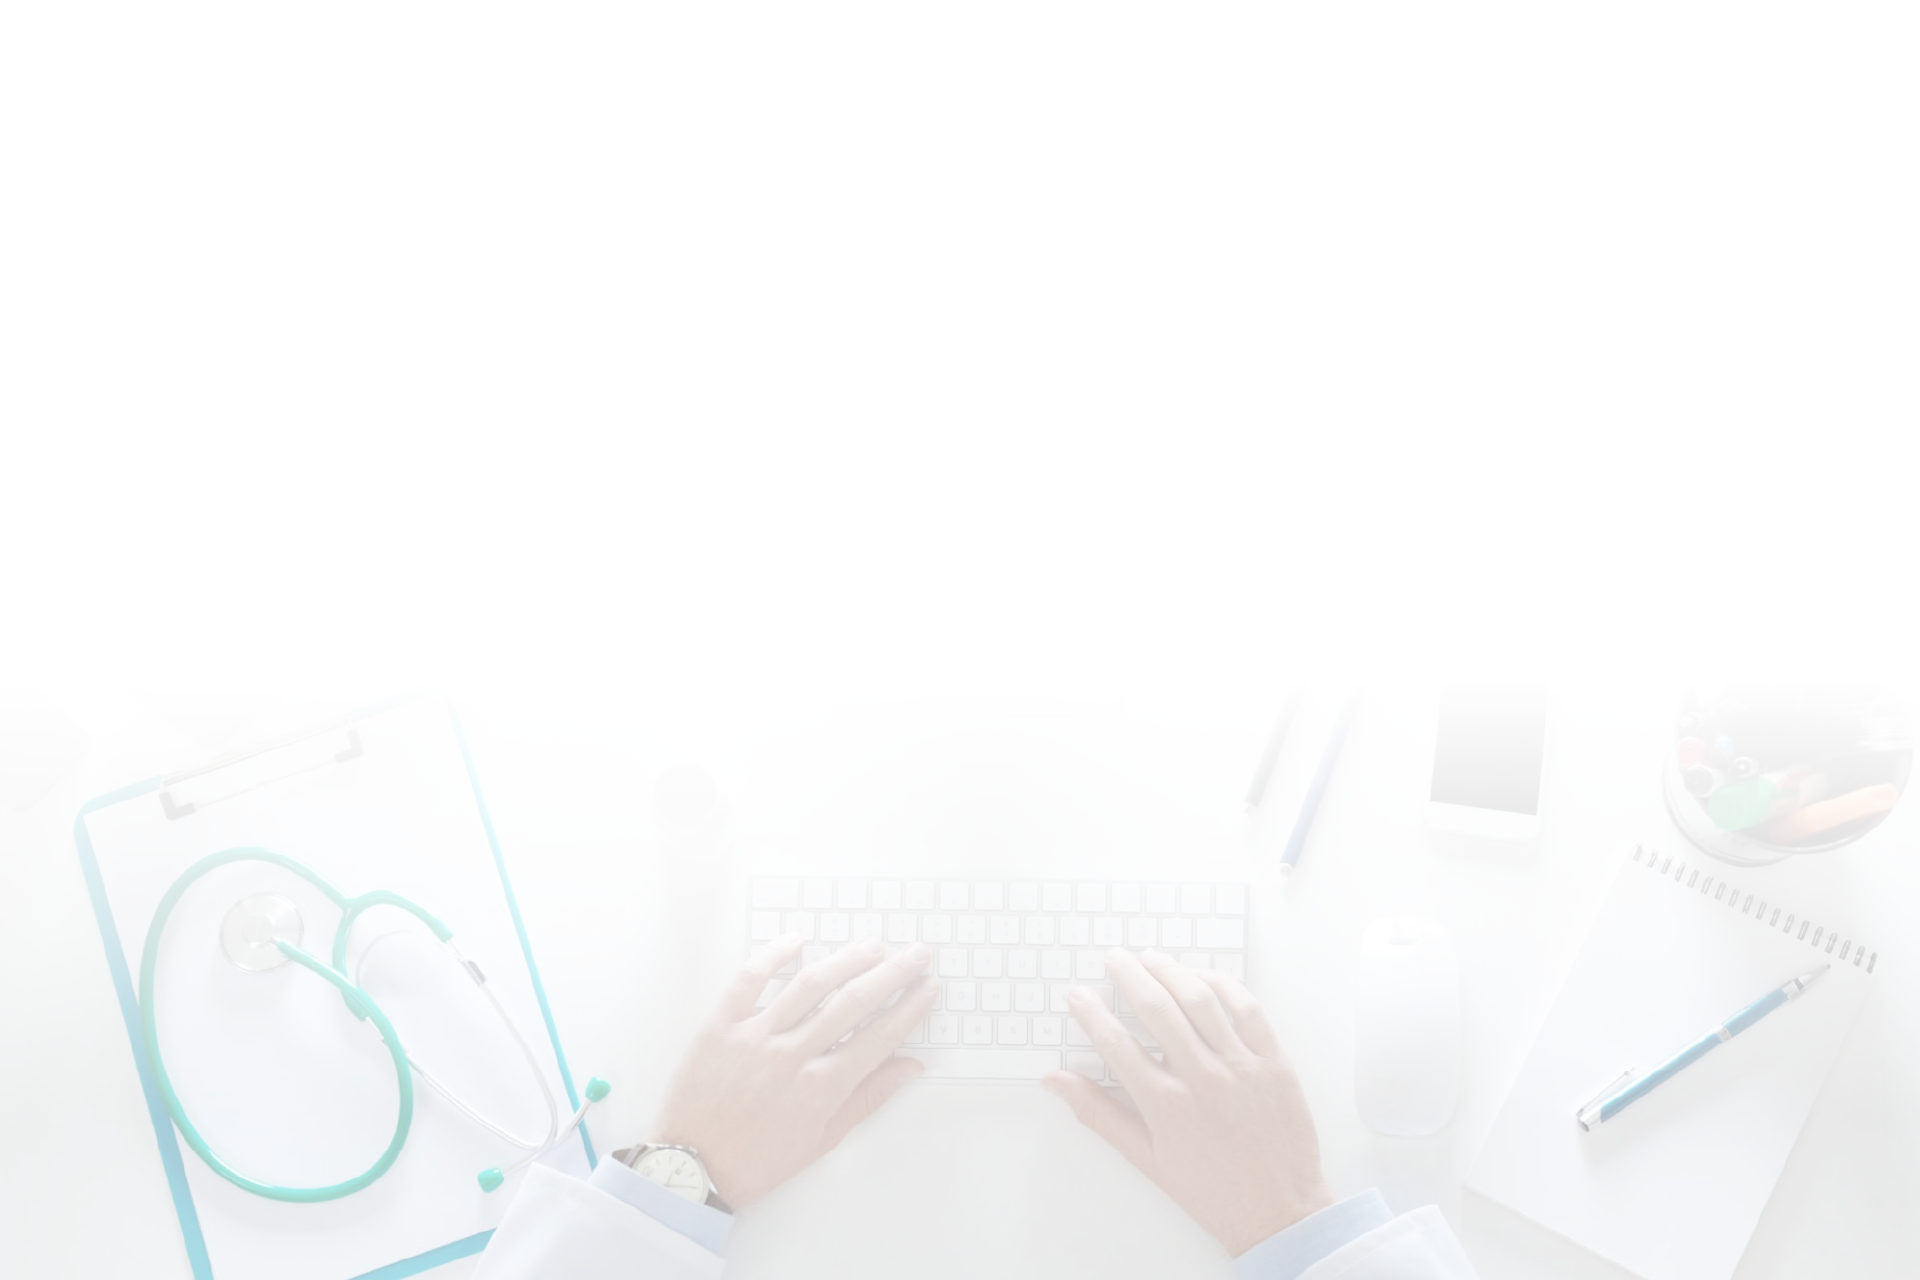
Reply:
x=1672 y=1188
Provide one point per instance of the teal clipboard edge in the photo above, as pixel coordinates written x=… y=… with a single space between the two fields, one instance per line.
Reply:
x=163 y=1132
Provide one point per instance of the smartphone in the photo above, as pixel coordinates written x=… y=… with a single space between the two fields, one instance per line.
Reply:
x=1489 y=758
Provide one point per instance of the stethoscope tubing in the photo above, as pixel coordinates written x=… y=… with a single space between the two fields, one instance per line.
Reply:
x=358 y=1002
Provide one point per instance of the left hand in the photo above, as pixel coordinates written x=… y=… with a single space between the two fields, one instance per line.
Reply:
x=762 y=1094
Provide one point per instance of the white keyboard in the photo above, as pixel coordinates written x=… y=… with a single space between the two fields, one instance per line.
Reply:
x=1005 y=954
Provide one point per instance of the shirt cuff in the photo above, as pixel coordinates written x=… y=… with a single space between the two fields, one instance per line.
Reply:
x=1286 y=1254
x=703 y=1224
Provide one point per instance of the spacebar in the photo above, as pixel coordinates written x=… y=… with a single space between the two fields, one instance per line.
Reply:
x=985 y=1064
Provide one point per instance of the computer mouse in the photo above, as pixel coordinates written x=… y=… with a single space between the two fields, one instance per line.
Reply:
x=1406 y=1050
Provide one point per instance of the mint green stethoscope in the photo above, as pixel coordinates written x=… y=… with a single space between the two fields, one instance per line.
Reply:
x=262 y=932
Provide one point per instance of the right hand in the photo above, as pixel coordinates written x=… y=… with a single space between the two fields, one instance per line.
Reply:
x=1223 y=1126
x=763 y=1093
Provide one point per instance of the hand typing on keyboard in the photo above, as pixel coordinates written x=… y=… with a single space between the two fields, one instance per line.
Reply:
x=760 y=1096
x=1223 y=1126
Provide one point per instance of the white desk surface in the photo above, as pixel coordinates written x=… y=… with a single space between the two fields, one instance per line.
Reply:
x=952 y=1181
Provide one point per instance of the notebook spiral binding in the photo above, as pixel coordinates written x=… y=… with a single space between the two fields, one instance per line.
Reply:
x=1722 y=890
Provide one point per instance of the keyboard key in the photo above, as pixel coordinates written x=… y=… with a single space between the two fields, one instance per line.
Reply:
x=765 y=926
x=1040 y=931
x=1055 y=897
x=1224 y=934
x=866 y=925
x=814 y=953
x=1011 y=1030
x=900 y=927
x=1140 y=932
x=1101 y=992
x=1230 y=899
x=851 y=895
x=1077 y=1035
x=943 y=1028
x=835 y=926
x=962 y=997
x=922 y=895
x=1023 y=895
x=1088 y=1065
x=936 y=929
x=1029 y=997
x=1022 y=963
x=976 y=1028
x=988 y=963
x=1123 y=899
x=1161 y=900
x=1234 y=966
x=1106 y=931
x=1056 y=964
x=816 y=895
x=884 y=895
x=953 y=962
x=1075 y=930
x=791 y=967
x=1176 y=933
x=987 y=896
x=995 y=1064
x=1195 y=900
x=1196 y=960
x=1092 y=899
x=918 y=1035
x=1048 y=1029
x=973 y=930
x=953 y=895
x=1003 y=930
x=996 y=997
x=1090 y=965
x=1140 y=1033
x=778 y=894
x=800 y=922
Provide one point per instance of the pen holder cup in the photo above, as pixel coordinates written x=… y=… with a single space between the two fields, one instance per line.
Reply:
x=1756 y=777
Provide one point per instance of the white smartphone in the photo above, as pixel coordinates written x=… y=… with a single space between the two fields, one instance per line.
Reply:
x=1489 y=759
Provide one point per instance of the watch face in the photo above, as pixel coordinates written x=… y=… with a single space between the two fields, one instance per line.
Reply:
x=677 y=1171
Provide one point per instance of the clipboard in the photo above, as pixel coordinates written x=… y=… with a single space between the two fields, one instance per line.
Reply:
x=277 y=1074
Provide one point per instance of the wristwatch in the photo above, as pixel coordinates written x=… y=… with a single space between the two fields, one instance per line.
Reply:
x=678 y=1169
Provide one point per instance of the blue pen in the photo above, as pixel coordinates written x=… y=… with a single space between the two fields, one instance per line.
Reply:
x=1303 y=821
x=1614 y=1099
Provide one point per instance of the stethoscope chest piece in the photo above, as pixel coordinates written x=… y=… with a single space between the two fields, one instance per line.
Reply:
x=249 y=933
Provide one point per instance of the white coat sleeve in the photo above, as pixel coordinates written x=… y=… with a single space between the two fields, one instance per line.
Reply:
x=559 y=1226
x=1414 y=1246
x=1358 y=1239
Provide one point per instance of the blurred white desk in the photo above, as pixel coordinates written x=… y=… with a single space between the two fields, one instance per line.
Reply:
x=964 y=1180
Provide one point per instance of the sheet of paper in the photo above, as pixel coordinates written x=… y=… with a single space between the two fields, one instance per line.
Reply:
x=284 y=1083
x=1672 y=1187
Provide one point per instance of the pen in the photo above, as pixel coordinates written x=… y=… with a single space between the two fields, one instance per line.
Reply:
x=1614 y=1099
x=1263 y=773
x=1297 y=839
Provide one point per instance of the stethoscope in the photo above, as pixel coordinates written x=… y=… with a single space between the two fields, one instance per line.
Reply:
x=262 y=932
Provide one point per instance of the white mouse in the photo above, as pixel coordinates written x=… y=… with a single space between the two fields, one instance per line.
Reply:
x=1406 y=1046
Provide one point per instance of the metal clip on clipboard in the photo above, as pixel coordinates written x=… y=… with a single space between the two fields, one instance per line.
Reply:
x=299 y=762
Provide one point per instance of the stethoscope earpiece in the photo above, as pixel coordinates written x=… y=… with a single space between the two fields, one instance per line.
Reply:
x=490 y=1179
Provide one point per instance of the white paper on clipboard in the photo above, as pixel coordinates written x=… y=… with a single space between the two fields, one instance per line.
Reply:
x=283 y=1082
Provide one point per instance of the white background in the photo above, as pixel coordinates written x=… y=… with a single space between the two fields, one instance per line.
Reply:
x=697 y=368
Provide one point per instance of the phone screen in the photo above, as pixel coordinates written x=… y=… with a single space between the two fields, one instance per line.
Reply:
x=1490 y=747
